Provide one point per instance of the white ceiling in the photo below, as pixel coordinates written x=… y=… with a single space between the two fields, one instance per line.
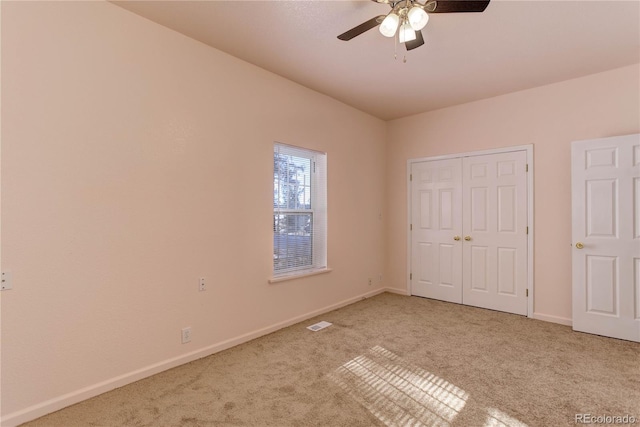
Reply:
x=513 y=45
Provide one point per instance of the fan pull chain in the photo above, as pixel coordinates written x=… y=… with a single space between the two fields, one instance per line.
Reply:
x=395 y=50
x=395 y=47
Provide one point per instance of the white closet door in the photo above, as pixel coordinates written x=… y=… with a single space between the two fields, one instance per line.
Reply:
x=495 y=231
x=605 y=179
x=436 y=216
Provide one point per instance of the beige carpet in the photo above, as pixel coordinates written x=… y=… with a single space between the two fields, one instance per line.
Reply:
x=388 y=360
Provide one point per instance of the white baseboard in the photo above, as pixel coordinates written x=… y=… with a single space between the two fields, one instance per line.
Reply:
x=57 y=403
x=553 y=319
x=539 y=316
x=397 y=291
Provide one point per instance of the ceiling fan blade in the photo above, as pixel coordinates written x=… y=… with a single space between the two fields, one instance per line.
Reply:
x=365 y=26
x=453 y=6
x=419 y=41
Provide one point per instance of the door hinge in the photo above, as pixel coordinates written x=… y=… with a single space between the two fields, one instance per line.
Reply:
x=527 y=229
x=411 y=227
x=526 y=168
x=410 y=177
x=527 y=293
x=410 y=276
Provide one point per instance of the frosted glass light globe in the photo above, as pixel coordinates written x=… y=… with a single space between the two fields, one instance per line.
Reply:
x=389 y=25
x=418 y=18
x=406 y=33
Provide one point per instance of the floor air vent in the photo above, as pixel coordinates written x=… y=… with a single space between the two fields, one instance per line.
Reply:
x=319 y=325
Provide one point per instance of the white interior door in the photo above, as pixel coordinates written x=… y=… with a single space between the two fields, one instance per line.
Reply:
x=495 y=231
x=605 y=180
x=436 y=222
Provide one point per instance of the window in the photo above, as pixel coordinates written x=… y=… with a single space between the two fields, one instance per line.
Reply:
x=299 y=211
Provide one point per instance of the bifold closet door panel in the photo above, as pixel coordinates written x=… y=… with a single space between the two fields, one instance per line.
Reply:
x=494 y=200
x=436 y=226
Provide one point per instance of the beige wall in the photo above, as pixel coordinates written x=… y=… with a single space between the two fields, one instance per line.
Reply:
x=134 y=161
x=549 y=117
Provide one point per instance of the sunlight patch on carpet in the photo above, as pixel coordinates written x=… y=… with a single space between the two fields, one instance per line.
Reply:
x=397 y=392
x=497 y=418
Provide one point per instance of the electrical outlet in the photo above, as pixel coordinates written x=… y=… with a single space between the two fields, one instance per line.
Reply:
x=370 y=282
x=202 y=286
x=7 y=282
x=186 y=335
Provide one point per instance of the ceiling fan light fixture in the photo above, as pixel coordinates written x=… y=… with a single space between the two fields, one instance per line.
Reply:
x=407 y=33
x=389 y=25
x=418 y=18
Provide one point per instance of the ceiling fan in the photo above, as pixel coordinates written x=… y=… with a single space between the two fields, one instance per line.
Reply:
x=408 y=17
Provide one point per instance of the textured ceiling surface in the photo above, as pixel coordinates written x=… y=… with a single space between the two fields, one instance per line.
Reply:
x=513 y=45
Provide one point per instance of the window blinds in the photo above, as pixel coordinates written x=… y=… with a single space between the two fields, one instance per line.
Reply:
x=299 y=209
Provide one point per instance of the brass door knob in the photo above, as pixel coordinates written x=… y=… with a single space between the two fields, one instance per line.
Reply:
x=579 y=245
x=456 y=238
x=467 y=238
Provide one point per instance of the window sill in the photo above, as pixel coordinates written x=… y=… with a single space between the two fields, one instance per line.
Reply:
x=298 y=275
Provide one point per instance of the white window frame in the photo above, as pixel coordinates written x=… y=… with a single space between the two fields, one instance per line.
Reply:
x=318 y=210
